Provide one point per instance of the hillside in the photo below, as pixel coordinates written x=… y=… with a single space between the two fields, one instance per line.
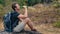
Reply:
x=46 y=16
x=43 y=18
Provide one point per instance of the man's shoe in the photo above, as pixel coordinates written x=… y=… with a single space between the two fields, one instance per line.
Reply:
x=34 y=30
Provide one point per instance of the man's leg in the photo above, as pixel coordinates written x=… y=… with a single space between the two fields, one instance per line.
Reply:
x=21 y=25
x=30 y=24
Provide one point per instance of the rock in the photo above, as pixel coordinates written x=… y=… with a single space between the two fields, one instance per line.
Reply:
x=23 y=32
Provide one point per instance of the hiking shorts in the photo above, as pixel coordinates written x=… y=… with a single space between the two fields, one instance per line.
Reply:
x=19 y=27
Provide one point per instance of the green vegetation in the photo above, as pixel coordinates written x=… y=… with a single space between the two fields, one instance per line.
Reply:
x=56 y=4
x=33 y=2
x=57 y=24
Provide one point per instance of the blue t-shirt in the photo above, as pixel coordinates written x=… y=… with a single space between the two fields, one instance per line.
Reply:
x=14 y=21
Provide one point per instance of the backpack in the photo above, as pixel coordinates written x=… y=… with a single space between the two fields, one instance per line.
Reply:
x=7 y=19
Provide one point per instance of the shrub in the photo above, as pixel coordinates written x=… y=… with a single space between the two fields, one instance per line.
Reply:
x=57 y=24
x=33 y=2
x=56 y=4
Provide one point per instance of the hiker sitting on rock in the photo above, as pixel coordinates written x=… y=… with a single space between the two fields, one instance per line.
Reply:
x=11 y=20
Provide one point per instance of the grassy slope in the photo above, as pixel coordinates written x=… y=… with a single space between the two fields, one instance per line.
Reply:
x=40 y=14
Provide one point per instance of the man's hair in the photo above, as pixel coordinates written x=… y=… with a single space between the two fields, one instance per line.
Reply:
x=14 y=6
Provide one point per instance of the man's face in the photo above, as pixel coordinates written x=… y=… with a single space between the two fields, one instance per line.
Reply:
x=17 y=7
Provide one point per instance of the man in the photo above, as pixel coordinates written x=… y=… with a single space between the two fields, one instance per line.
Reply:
x=16 y=17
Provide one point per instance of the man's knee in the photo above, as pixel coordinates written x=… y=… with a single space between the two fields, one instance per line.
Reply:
x=26 y=20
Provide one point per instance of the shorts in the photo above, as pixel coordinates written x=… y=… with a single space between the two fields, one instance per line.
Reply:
x=19 y=27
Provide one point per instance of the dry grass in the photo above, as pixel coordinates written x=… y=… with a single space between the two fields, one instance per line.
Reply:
x=1 y=26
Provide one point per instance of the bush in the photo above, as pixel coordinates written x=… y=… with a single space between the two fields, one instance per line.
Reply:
x=56 y=4
x=33 y=2
x=57 y=24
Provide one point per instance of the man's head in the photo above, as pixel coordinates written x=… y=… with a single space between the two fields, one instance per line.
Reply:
x=15 y=6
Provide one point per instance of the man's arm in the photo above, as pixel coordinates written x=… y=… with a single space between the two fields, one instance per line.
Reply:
x=25 y=14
